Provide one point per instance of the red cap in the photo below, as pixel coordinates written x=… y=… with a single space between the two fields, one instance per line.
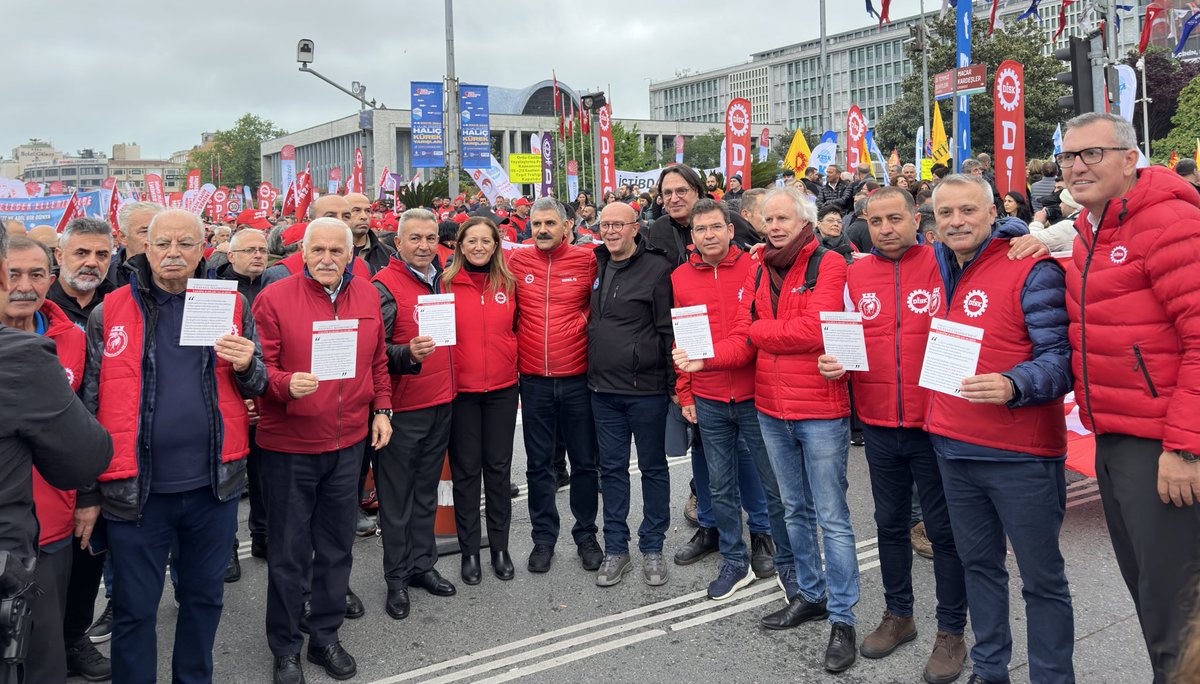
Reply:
x=460 y=218
x=460 y=198
x=522 y=202
x=294 y=233
x=254 y=218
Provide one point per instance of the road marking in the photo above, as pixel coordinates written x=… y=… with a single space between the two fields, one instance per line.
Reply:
x=519 y=672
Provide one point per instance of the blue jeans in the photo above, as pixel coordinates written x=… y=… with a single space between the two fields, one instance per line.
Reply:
x=736 y=462
x=552 y=406
x=206 y=529
x=749 y=490
x=620 y=417
x=809 y=458
x=900 y=458
x=1025 y=502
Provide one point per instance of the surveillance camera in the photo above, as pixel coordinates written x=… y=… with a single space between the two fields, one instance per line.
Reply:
x=304 y=51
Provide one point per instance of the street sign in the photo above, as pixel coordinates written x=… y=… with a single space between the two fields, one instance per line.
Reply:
x=972 y=80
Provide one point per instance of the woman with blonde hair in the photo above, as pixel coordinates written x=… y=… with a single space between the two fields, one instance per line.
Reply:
x=484 y=415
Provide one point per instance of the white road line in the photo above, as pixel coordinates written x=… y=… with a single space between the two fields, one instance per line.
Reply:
x=726 y=612
x=588 y=652
x=1079 y=502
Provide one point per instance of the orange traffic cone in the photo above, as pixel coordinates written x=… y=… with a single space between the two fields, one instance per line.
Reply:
x=445 y=532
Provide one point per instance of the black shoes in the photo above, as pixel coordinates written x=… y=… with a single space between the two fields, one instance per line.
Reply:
x=233 y=571
x=798 y=612
x=433 y=582
x=762 y=555
x=513 y=490
x=502 y=565
x=856 y=439
x=702 y=543
x=540 y=558
x=101 y=629
x=590 y=554
x=841 y=651
x=258 y=547
x=397 y=603
x=364 y=525
x=354 y=606
x=471 y=574
x=976 y=679
x=288 y=670
x=337 y=663
x=84 y=660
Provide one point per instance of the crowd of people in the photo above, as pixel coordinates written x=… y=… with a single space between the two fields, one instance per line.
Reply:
x=136 y=456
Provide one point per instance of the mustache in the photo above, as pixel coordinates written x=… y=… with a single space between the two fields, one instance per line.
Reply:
x=544 y=236
x=15 y=296
x=87 y=271
x=172 y=261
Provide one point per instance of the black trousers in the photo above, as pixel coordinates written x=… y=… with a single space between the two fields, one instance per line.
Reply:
x=408 y=471
x=1156 y=544
x=254 y=485
x=83 y=586
x=482 y=428
x=45 y=660
x=311 y=504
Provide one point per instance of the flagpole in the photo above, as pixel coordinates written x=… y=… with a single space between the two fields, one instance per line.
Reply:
x=924 y=71
x=827 y=115
x=1141 y=65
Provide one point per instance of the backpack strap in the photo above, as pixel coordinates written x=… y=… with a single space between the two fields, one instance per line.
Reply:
x=814 y=267
x=754 y=294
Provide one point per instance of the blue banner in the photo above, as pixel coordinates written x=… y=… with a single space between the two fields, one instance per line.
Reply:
x=476 y=127
x=428 y=134
x=37 y=211
x=962 y=132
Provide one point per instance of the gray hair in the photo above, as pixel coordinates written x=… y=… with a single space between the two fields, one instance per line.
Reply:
x=20 y=243
x=961 y=179
x=237 y=237
x=1123 y=131
x=805 y=210
x=85 y=225
x=4 y=243
x=415 y=215
x=970 y=165
x=752 y=200
x=127 y=210
x=328 y=222
x=549 y=204
x=275 y=242
x=190 y=218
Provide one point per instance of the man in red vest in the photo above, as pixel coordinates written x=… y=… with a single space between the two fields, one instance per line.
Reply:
x=897 y=289
x=409 y=468
x=180 y=437
x=1001 y=437
x=313 y=432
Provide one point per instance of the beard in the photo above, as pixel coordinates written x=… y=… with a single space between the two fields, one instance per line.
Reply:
x=78 y=284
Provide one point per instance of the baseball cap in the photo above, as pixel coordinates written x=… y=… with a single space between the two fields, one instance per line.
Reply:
x=522 y=202
x=254 y=218
x=294 y=233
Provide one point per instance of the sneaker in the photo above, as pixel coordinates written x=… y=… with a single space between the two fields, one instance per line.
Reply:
x=946 y=662
x=729 y=579
x=785 y=577
x=85 y=660
x=654 y=569
x=762 y=555
x=920 y=542
x=540 y=558
x=365 y=526
x=101 y=629
x=689 y=510
x=700 y=546
x=856 y=439
x=613 y=569
x=590 y=554
x=892 y=632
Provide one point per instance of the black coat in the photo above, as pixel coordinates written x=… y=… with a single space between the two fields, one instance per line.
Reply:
x=840 y=196
x=675 y=241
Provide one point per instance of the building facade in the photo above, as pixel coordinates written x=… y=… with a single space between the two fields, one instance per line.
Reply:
x=85 y=172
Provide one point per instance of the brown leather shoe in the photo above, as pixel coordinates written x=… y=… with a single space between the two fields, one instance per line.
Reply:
x=920 y=542
x=946 y=662
x=892 y=631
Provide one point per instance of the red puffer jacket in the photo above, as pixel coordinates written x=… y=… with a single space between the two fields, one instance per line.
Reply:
x=554 y=301
x=697 y=282
x=55 y=507
x=787 y=383
x=486 y=354
x=1135 y=313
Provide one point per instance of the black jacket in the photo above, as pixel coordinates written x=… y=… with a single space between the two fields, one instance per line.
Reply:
x=118 y=271
x=675 y=241
x=124 y=499
x=70 y=305
x=630 y=335
x=249 y=287
x=376 y=253
x=44 y=425
x=840 y=196
x=859 y=233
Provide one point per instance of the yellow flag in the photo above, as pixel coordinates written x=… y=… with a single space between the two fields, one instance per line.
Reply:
x=1173 y=160
x=865 y=153
x=938 y=141
x=798 y=153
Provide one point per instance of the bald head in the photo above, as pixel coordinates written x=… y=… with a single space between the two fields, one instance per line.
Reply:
x=618 y=230
x=360 y=216
x=331 y=206
x=46 y=235
x=14 y=228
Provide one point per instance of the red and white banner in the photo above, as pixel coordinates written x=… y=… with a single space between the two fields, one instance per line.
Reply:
x=56 y=188
x=335 y=180
x=154 y=188
x=287 y=165
x=175 y=200
x=220 y=203
x=289 y=201
x=679 y=149
x=608 y=164
x=266 y=199
x=304 y=192
x=201 y=199
x=35 y=189
x=114 y=203
x=74 y=209
x=383 y=182
x=1009 y=124
x=856 y=128
x=109 y=183
x=357 y=181
x=737 y=140
x=193 y=180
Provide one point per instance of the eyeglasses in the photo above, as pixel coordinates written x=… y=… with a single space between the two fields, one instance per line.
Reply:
x=249 y=250
x=183 y=245
x=678 y=192
x=615 y=225
x=705 y=230
x=1090 y=155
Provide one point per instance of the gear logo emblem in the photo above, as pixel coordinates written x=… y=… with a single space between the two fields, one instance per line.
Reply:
x=1119 y=254
x=1008 y=89
x=739 y=119
x=605 y=119
x=918 y=301
x=975 y=303
x=855 y=125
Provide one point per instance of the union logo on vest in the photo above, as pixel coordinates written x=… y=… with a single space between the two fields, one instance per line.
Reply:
x=1119 y=254
x=869 y=306
x=975 y=303
x=919 y=301
x=116 y=342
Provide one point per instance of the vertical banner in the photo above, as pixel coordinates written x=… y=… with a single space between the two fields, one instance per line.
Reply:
x=193 y=180
x=962 y=132
x=265 y=198
x=608 y=165
x=825 y=153
x=202 y=198
x=476 y=127
x=334 y=179
x=493 y=181
x=428 y=134
x=737 y=140
x=572 y=180
x=220 y=198
x=919 y=147
x=358 y=175
x=856 y=129
x=548 y=179
x=679 y=149
x=764 y=144
x=1009 y=118
x=287 y=166
x=1127 y=90
x=154 y=188
x=304 y=192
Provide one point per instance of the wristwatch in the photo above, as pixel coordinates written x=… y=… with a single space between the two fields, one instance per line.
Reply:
x=383 y=412
x=1188 y=456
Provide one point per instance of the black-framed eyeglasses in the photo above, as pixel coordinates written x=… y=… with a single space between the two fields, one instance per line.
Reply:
x=1089 y=155
x=616 y=225
x=249 y=250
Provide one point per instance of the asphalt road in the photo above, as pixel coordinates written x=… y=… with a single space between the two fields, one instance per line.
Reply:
x=560 y=627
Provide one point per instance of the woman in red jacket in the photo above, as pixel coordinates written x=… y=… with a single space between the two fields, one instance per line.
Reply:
x=485 y=410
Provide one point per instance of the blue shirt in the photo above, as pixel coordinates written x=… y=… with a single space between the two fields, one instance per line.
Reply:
x=180 y=420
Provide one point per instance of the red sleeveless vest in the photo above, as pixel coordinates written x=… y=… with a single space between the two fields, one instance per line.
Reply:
x=435 y=384
x=55 y=507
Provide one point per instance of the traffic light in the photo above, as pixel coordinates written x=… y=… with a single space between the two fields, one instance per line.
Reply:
x=1078 y=79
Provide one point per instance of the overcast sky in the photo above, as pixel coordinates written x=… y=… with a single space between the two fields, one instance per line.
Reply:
x=160 y=73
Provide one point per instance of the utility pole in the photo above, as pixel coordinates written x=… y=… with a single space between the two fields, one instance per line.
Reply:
x=826 y=107
x=924 y=71
x=452 y=117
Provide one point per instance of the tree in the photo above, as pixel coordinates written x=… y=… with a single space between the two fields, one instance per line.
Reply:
x=704 y=151
x=1021 y=41
x=1186 y=125
x=1166 y=77
x=237 y=152
x=627 y=153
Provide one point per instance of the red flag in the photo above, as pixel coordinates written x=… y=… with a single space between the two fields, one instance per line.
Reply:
x=1062 y=17
x=884 y=9
x=264 y=196
x=74 y=209
x=289 y=200
x=1173 y=160
x=304 y=191
x=1009 y=127
x=737 y=140
x=992 y=18
x=584 y=125
x=1152 y=12
x=114 y=203
x=193 y=180
x=154 y=188
x=383 y=181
